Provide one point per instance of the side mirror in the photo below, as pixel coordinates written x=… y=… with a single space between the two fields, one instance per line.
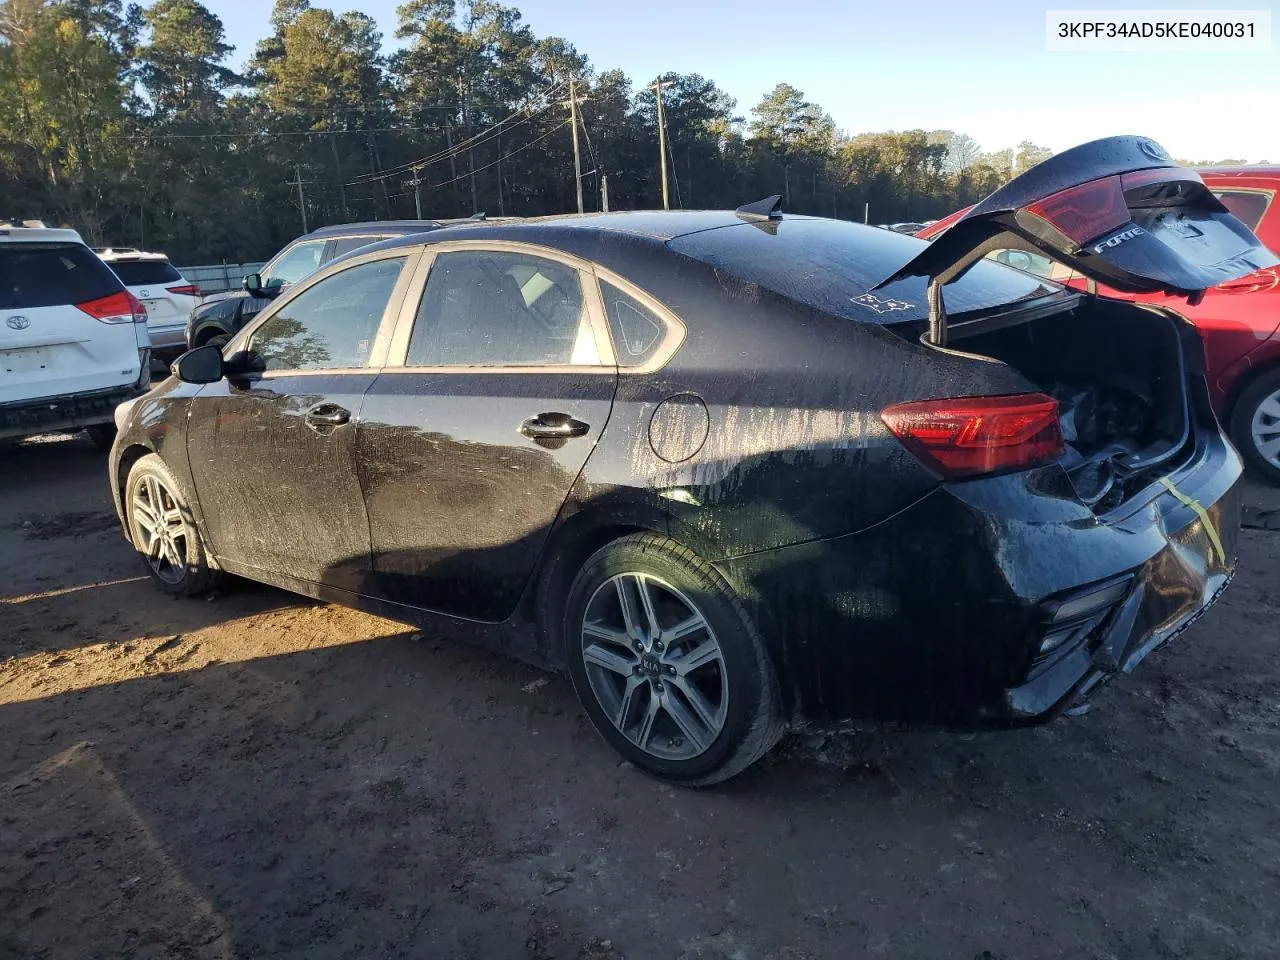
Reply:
x=255 y=287
x=201 y=365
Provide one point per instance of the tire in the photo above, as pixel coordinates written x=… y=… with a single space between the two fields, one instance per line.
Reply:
x=179 y=565
x=102 y=435
x=1255 y=419
x=215 y=339
x=689 y=725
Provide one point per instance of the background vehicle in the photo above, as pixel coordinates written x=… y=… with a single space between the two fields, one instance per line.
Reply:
x=633 y=447
x=167 y=296
x=1239 y=321
x=73 y=341
x=219 y=316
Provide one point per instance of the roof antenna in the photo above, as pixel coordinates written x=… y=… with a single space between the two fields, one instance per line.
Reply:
x=770 y=208
x=477 y=216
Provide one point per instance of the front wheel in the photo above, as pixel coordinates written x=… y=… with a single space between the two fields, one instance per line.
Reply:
x=1255 y=425
x=164 y=532
x=667 y=664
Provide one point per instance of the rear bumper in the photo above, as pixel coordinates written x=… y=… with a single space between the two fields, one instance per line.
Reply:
x=169 y=338
x=70 y=412
x=940 y=613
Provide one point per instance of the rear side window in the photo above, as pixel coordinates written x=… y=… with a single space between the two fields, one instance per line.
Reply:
x=52 y=275
x=347 y=244
x=1247 y=206
x=493 y=309
x=136 y=273
x=637 y=332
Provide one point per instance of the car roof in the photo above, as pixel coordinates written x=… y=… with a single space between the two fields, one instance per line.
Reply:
x=116 y=254
x=17 y=231
x=373 y=228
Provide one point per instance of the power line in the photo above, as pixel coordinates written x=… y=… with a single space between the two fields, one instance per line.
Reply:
x=258 y=133
x=471 y=142
x=557 y=127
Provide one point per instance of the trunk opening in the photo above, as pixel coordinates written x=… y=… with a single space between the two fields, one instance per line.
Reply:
x=1118 y=373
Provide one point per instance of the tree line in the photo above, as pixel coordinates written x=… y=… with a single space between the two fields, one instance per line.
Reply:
x=128 y=124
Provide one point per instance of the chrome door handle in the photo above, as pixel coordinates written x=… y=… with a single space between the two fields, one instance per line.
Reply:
x=328 y=415
x=553 y=426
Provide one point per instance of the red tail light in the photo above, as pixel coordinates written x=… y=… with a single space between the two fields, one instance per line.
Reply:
x=1087 y=211
x=122 y=307
x=969 y=436
x=186 y=289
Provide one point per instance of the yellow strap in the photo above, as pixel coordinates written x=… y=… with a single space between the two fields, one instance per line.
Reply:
x=1200 y=512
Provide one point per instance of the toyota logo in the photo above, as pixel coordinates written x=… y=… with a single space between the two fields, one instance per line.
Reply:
x=144 y=294
x=17 y=323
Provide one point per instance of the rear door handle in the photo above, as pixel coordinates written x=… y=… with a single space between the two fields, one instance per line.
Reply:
x=553 y=426
x=328 y=415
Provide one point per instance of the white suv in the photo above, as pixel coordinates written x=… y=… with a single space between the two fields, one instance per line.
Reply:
x=73 y=340
x=168 y=297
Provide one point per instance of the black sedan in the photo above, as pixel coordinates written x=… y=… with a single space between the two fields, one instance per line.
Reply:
x=733 y=471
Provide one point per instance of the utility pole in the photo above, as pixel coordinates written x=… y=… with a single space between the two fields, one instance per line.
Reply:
x=604 y=193
x=416 y=183
x=302 y=200
x=662 y=141
x=577 y=157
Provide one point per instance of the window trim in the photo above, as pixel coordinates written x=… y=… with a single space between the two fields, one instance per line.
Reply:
x=399 y=350
x=674 y=329
x=390 y=313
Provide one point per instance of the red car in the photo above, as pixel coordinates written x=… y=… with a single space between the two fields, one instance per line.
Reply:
x=1238 y=321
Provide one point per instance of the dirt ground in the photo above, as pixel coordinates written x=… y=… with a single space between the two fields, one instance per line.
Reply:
x=258 y=775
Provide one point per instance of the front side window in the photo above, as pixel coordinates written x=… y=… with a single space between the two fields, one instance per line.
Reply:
x=485 y=308
x=332 y=324
x=300 y=260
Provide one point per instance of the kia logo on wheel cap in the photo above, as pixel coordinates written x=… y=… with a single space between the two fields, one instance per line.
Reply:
x=17 y=323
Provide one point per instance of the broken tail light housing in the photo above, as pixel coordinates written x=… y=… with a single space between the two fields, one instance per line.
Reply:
x=975 y=436
x=122 y=307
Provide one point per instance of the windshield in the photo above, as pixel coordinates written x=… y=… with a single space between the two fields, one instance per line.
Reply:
x=294 y=263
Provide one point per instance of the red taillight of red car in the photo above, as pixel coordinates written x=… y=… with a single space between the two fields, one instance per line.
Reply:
x=1085 y=212
x=971 y=436
x=122 y=307
x=186 y=289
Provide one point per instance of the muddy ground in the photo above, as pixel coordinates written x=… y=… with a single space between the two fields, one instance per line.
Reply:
x=259 y=775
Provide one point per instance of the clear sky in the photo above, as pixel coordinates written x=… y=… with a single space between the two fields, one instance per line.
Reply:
x=976 y=66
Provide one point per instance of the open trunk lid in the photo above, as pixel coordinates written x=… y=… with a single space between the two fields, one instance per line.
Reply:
x=1118 y=210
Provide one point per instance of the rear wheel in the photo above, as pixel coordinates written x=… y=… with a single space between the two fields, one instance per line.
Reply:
x=1255 y=425
x=164 y=532
x=667 y=664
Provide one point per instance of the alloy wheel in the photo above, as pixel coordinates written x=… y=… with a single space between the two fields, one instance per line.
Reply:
x=655 y=666
x=159 y=530
x=1265 y=428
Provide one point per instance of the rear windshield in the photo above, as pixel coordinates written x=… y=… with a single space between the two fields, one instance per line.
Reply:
x=139 y=272
x=52 y=275
x=832 y=265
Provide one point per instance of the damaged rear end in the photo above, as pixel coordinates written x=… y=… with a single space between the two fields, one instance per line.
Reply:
x=1105 y=492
